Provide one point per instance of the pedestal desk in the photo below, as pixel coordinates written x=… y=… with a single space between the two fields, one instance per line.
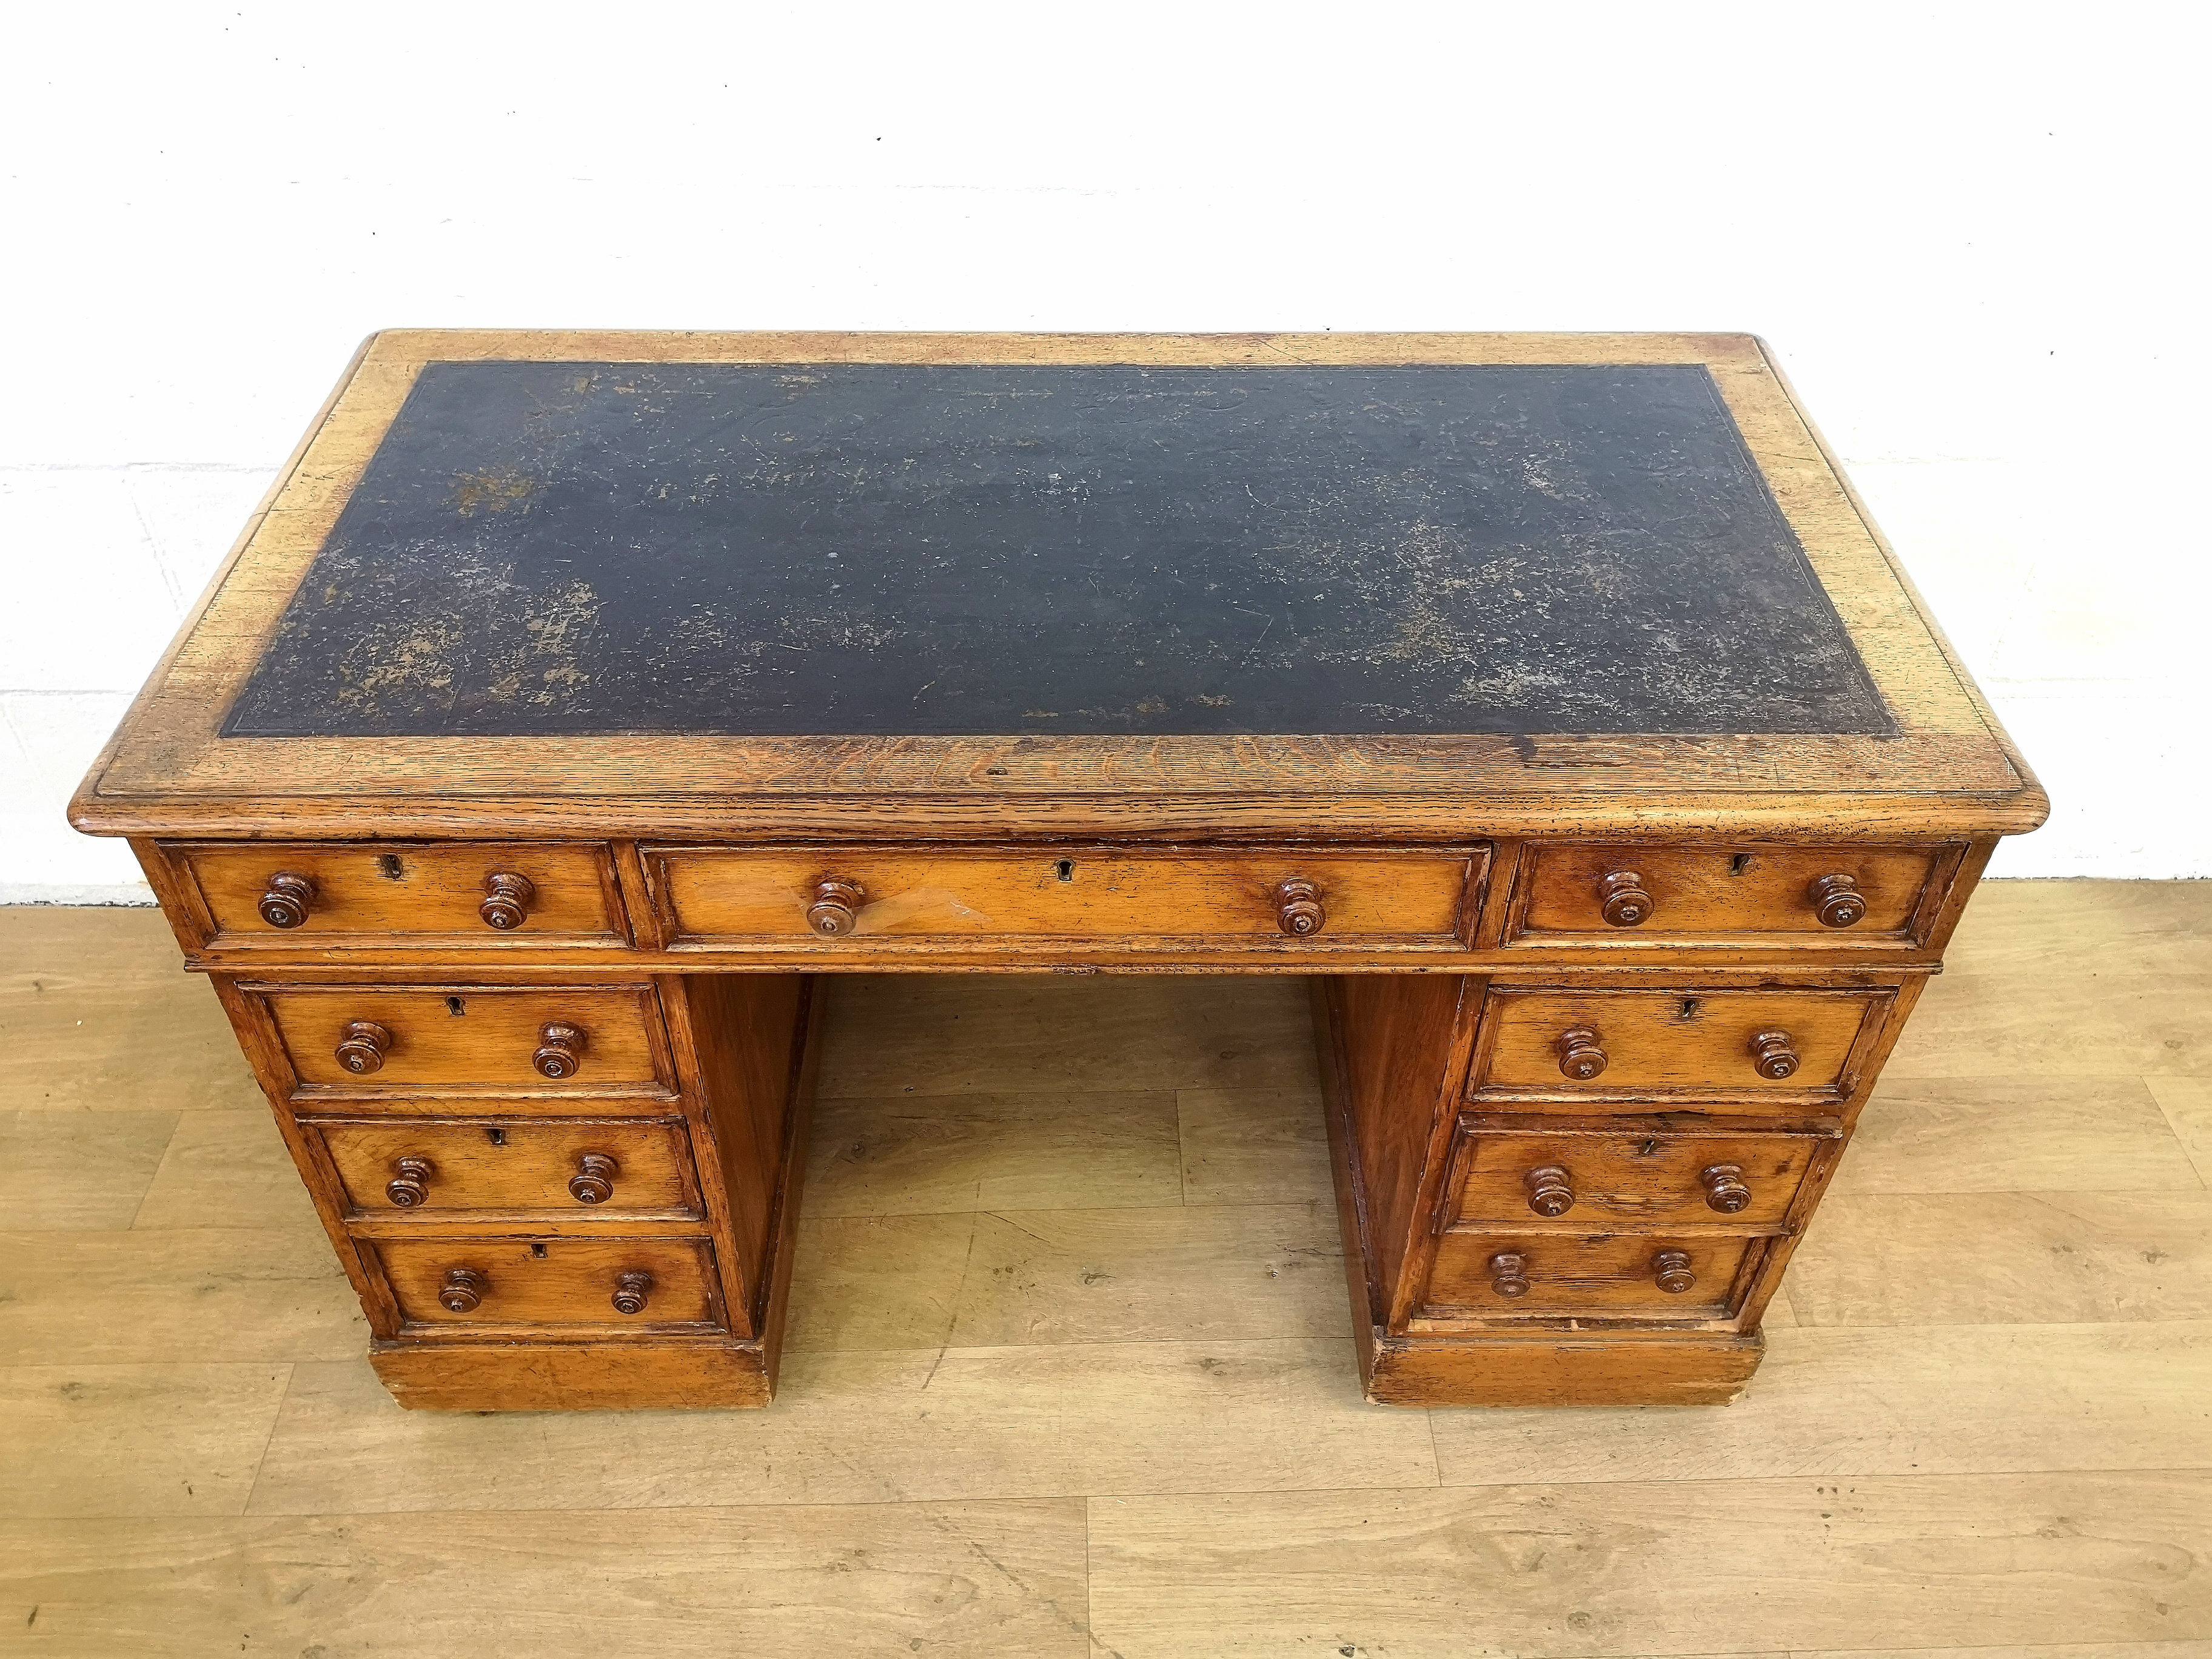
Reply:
x=577 y=704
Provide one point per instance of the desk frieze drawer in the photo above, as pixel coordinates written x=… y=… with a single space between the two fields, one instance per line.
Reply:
x=619 y=1285
x=1721 y=1047
x=1257 y=898
x=395 y=1169
x=1621 y=896
x=374 y=1039
x=1623 y=1172
x=458 y=895
x=1482 y=1277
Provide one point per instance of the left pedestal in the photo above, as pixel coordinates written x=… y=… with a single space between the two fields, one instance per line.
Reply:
x=550 y=1196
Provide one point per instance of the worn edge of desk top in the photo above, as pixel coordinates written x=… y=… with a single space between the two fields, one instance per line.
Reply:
x=1948 y=769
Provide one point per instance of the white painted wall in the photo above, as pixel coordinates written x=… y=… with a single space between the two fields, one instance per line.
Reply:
x=1970 y=231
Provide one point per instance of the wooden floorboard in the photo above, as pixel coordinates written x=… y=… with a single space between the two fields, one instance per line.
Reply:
x=1068 y=1370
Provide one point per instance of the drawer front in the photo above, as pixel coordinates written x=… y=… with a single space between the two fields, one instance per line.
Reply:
x=456 y=893
x=1248 y=897
x=506 y=1281
x=398 y=1167
x=1613 y=1175
x=474 y=1037
x=1622 y=894
x=1690 y=1044
x=1502 y=1275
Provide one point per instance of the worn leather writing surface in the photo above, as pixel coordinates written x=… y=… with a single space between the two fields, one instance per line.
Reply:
x=581 y=549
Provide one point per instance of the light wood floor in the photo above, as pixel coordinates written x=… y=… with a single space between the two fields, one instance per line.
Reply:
x=1069 y=1369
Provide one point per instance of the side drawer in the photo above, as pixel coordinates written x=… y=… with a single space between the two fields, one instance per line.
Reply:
x=1691 y=1045
x=1295 y=899
x=1641 y=1276
x=1627 y=1172
x=461 y=894
x=409 y=1169
x=1625 y=895
x=374 y=1038
x=457 y=1282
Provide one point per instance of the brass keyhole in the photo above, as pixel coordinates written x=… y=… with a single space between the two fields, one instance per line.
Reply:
x=389 y=866
x=1689 y=1007
x=456 y=1007
x=1739 y=864
x=1066 y=869
x=496 y=1135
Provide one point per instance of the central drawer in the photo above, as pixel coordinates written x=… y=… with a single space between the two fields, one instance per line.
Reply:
x=1258 y=898
x=623 y=1283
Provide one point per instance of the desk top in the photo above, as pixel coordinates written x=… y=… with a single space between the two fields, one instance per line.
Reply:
x=792 y=584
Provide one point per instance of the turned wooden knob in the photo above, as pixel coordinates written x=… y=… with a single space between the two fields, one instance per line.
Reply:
x=362 y=1046
x=1622 y=900
x=594 y=1180
x=837 y=907
x=1580 y=1057
x=560 y=1050
x=411 y=1182
x=289 y=897
x=465 y=1287
x=506 y=901
x=1771 y=1052
x=1548 y=1191
x=1837 y=901
x=1670 y=1271
x=1509 y=1273
x=1725 y=1188
x=1298 y=908
x=631 y=1292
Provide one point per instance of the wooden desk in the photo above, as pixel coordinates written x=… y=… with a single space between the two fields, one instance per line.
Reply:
x=577 y=702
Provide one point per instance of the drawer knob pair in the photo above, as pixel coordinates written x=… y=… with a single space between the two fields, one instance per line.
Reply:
x=835 y=910
x=1624 y=901
x=1552 y=1193
x=506 y=902
x=363 y=1044
x=1583 y=1056
x=466 y=1288
x=1670 y=1271
x=593 y=1183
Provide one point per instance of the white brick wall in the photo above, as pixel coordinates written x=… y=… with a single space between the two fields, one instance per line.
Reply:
x=1972 y=245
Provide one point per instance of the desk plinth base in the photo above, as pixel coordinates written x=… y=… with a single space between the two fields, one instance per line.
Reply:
x=555 y=1377
x=1561 y=1371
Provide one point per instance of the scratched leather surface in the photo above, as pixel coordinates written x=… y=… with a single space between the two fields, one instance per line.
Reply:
x=589 y=548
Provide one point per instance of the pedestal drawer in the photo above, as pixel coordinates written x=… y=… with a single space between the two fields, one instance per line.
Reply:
x=623 y=1283
x=1690 y=1044
x=396 y=1167
x=383 y=1037
x=1651 y=1171
x=1502 y=1275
